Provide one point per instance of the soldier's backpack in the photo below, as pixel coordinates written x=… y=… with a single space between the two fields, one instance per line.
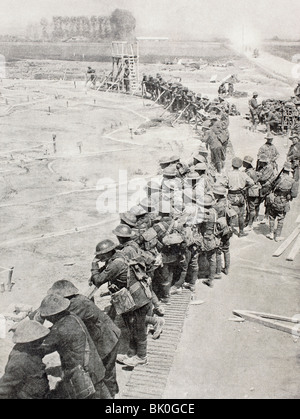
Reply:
x=150 y=239
x=137 y=292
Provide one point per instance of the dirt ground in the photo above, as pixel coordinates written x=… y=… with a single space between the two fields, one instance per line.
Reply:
x=50 y=219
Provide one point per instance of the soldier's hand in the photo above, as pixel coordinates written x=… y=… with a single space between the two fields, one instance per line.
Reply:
x=91 y=281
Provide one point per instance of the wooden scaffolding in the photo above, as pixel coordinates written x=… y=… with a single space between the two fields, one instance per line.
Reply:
x=125 y=67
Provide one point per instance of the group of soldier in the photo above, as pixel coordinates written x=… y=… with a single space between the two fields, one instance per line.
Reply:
x=188 y=105
x=278 y=116
x=178 y=232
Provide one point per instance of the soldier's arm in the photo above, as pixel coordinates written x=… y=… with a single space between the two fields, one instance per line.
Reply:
x=110 y=272
x=249 y=182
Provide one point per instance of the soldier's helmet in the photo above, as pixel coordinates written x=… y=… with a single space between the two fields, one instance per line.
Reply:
x=263 y=158
x=248 y=159
x=237 y=162
x=193 y=176
x=53 y=304
x=137 y=210
x=206 y=125
x=105 y=246
x=287 y=167
x=292 y=136
x=29 y=331
x=269 y=137
x=123 y=230
x=149 y=204
x=170 y=172
x=222 y=222
x=169 y=160
x=220 y=190
x=208 y=201
x=153 y=186
x=200 y=167
x=199 y=158
x=63 y=288
x=189 y=94
x=128 y=218
x=255 y=94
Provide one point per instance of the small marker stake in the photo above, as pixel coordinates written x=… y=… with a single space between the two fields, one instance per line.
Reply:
x=54 y=142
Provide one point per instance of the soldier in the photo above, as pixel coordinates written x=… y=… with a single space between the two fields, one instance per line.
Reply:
x=269 y=150
x=293 y=156
x=216 y=149
x=91 y=76
x=253 y=106
x=230 y=89
x=115 y=273
x=266 y=176
x=224 y=229
x=238 y=182
x=252 y=196
x=70 y=338
x=285 y=190
x=210 y=241
x=201 y=169
x=25 y=374
x=297 y=91
x=101 y=328
x=222 y=89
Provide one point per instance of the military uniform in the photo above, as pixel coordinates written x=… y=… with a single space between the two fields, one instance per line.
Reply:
x=253 y=106
x=237 y=183
x=104 y=333
x=271 y=152
x=69 y=336
x=293 y=157
x=25 y=376
x=278 y=203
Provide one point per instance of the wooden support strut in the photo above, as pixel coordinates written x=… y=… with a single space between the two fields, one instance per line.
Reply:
x=269 y=320
x=294 y=250
x=287 y=242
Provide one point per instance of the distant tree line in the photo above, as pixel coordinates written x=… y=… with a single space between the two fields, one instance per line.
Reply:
x=119 y=25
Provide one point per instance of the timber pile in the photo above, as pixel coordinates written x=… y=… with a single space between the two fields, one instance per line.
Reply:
x=293 y=237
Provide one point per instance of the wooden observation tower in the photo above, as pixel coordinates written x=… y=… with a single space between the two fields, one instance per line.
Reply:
x=125 y=60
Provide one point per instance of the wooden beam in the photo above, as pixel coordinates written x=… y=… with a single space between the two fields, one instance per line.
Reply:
x=269 y=320
x=295 y=249
x=287 y=242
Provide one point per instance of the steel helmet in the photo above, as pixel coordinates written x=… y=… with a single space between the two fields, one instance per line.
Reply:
x=63 y=288
x=248 y=159
x=193 y=176
x=208 y=201
x=170 y=171
x=269 y=137
x=220 y=190
x=237 y=162
x=123 y=230
x=255 y=94
x=29 y=331
x=128 y=218
x=200 y=167
x=137 y=210
x=104 y=247
x=53 y=304
x=199 y=158
x=153 y=186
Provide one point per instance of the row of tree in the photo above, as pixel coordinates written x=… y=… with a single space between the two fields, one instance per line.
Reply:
x=119 y=25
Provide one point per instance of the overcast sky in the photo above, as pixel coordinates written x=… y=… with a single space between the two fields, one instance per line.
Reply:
x=174 y=18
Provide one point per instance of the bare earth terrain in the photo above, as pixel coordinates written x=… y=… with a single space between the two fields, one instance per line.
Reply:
x=50 y=223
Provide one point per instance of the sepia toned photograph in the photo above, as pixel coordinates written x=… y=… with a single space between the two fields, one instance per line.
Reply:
x=149 y=202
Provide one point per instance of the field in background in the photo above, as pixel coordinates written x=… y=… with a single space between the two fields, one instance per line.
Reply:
x=150 y=51
x=284 y=50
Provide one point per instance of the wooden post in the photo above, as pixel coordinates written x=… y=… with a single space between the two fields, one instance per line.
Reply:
x=67 y=104
x=54 y=142
x=49 y=109
x=75 y=84
x=9 y=282
x=295 y=250
x=79 y=145
x=2 y=288
x=130 y=129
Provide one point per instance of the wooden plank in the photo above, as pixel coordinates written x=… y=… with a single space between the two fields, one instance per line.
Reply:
x=295 y=250
x=248 y=315
x=287 y=242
